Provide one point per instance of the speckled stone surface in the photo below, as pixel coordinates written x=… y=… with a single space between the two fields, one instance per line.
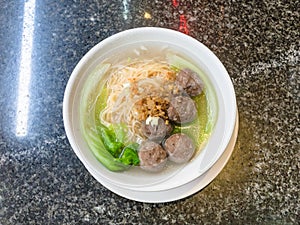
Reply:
x=43 y=182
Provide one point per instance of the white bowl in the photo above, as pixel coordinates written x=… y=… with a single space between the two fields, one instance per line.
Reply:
x=223 y=109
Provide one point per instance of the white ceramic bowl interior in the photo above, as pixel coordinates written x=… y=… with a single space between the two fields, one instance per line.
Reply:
x=203 y=58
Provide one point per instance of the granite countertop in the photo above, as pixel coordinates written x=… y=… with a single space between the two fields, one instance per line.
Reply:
x=43 y=182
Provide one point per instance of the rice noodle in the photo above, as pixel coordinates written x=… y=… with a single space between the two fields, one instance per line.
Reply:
x=129 y=83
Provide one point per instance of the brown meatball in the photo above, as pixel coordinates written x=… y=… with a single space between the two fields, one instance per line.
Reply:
x=152 y=156
x=157 y=131
x=180 y=147
x=190 y=82
x=182 y=109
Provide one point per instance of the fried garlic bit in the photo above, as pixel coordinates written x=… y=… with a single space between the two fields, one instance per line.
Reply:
x=153 y=106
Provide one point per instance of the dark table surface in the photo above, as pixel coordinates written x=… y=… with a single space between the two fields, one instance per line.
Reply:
x=43 y=182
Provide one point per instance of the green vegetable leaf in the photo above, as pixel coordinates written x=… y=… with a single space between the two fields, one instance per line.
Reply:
x=129 y=155
x=109 y=140
x=102 y=155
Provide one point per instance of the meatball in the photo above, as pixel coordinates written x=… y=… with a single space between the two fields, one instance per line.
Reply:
x=179 y=147
x=155 y=128
x=182 y=109
x=190 y=82
x=152 y=156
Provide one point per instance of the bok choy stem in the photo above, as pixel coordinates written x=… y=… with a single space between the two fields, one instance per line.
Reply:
x=89 y=93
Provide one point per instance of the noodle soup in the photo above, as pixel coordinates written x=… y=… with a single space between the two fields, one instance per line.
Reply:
x=147 y=108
